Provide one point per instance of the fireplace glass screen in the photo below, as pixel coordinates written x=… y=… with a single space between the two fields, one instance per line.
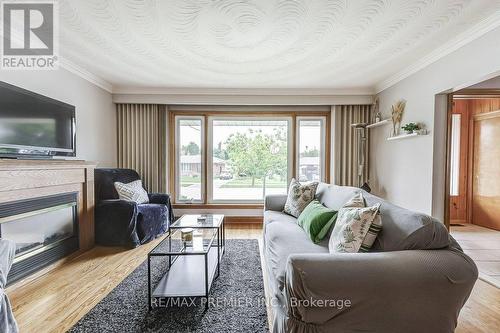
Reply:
x=40 y=229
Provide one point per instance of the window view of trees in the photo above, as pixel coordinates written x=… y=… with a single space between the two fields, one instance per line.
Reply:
x=314 y=152
x=190 y=149
x=249 y=157
x=254 y=159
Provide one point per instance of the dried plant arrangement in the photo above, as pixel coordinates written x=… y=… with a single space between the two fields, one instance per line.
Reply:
x=397 y=114
x=376 y=115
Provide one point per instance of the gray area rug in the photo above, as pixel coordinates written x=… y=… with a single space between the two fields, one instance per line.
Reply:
x=237 y=299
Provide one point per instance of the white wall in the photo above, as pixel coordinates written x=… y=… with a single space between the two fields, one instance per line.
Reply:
x=406 y=171
x=493 y=83
x=95 y=112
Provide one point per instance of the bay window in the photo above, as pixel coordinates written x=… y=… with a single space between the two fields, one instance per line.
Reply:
x=234 y=159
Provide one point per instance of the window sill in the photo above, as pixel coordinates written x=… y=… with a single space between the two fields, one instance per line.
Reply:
x=217 y=206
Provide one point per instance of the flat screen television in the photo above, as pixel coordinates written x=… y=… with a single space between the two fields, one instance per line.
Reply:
x=35 y=126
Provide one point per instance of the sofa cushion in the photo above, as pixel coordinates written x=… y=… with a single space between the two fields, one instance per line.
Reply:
x=352 y=225
x=316 y=220
x=404 y=229
x=299 y=196
x=333 y=196
x=283 y=238
x=271 y=216
x=132 y=191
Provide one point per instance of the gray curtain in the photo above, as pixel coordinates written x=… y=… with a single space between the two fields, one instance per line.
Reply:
x=346 y=143
x=142 y=142
x=7 y=251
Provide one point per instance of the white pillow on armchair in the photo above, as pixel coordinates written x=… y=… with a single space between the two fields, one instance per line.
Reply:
x=132 y=191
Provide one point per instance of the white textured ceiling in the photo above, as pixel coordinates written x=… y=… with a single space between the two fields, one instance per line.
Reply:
x=332 y=44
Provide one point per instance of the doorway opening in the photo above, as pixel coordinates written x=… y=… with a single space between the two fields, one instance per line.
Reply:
x=474 y=160
x=473 y=174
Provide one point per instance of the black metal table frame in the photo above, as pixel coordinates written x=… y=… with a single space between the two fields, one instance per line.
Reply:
x=221 y=244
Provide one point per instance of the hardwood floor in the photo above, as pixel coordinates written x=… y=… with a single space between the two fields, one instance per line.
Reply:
x=54 y=301
x=481 y=313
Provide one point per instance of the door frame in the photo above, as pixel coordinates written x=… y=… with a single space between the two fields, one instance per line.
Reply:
x=449 y=110
x=464 y=94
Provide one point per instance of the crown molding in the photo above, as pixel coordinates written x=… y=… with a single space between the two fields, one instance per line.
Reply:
x=79 y=71
x=246 y=99
x=243 y=91
x=464 y=38
x=85 y=74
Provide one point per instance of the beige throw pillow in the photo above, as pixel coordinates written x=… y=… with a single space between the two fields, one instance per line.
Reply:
x=132 y=191
x=299 y=196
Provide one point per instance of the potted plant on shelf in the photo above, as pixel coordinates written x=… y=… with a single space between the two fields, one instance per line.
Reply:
x=410 y=128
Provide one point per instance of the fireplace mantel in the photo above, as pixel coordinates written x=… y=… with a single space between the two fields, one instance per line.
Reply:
x=27 y=179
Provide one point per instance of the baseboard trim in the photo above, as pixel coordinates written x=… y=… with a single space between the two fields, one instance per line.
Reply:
x=458 y=221
x=244 y=219
x=217 y=206
x=240 y=219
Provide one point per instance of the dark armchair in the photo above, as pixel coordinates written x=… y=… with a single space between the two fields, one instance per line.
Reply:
x=126 y=223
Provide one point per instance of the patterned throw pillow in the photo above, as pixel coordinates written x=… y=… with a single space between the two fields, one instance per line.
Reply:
x=132 y=191
x=299 y=196
x=356 y=228
x=372 y=234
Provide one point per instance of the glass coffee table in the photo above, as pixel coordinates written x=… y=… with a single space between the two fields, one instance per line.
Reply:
x=192 y=265
x=203 y=221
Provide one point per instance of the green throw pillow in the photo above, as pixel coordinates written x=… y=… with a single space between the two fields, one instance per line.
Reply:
x=316 y=220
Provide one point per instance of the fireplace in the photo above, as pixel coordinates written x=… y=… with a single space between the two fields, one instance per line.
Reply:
x=44 y=229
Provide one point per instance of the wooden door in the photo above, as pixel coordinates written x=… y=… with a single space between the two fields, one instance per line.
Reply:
x=486 y=170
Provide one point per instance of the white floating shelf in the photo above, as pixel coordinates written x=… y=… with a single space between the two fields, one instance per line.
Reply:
x=404 y=136
x=379 y=123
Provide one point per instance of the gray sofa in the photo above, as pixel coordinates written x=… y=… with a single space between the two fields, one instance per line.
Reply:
x=7 y=252
x=416 y=278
